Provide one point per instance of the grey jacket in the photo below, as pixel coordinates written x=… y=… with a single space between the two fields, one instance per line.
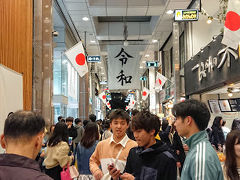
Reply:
x=80 y=131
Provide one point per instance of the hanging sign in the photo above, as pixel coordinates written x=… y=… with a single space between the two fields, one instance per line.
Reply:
x=93 y=58
x=123 y=67
x=186 y=15
x=152 y=64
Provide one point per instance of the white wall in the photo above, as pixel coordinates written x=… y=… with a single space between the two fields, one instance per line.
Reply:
x=202 y=32
x=11 y=94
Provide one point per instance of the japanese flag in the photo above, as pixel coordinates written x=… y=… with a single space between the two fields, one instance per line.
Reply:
x=131 y=103
x=160 y=80
x=103 y=97
x=77 y=57
x=145 y=93
x=108 y=105
x=231 y=35
x=127 y=107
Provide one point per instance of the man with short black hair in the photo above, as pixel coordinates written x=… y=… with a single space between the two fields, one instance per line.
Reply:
x=107 y=150
x=72 y=132
x=151 y=160
x=60 y=118
x=92 y=117
x=22 y=139
x=192 y=118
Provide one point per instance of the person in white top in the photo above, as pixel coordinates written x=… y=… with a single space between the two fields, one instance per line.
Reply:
x=225 y=129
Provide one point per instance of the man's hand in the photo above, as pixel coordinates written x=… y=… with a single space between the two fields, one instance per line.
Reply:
x=114 y=173
x=98 y=175
x=178 y=164
x=127 y=176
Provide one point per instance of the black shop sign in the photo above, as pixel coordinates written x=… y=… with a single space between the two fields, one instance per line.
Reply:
x=214 y=66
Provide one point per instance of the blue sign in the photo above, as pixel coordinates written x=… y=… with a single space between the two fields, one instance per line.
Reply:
x=93 y=58
x=143 y=78
x=152 y=64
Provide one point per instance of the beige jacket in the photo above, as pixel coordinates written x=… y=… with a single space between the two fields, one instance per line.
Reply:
x=57 y=155
x=106 y=152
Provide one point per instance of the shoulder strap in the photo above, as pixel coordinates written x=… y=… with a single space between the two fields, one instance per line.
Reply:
x=118 y=156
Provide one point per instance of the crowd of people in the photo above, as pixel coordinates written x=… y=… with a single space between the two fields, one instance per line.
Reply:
x=122 y=147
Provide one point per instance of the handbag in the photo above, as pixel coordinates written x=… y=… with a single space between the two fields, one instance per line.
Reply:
x=65 y=174
x=107 y=176
x=73 y=172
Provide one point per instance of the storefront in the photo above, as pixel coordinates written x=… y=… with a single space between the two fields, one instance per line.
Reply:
x=65 y=78
x=213 y=77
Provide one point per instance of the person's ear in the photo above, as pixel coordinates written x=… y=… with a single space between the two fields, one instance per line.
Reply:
x=39 y=139
x=152 y=132
x=3 y=142
x=189 y=120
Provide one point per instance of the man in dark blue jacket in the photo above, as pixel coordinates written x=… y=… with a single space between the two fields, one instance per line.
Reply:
x=152 y=159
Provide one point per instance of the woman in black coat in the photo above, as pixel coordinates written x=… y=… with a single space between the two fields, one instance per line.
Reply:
x=217 y=136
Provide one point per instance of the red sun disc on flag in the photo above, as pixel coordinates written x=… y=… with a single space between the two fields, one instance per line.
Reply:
x=104 y=97
x=133 y=102
x=232 y=21
x=108 y=103
x=159 y=81
x=80 y=59
x=144 y=93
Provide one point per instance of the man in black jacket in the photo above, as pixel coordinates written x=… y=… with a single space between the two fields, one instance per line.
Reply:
x=151 y=160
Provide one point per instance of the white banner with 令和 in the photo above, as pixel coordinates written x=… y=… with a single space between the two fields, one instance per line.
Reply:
x=123 y=67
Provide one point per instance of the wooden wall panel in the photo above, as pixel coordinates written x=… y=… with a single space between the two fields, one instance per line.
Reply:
x=16 y=34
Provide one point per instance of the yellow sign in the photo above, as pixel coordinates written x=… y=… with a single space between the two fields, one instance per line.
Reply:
x=189 y=15
x=186 y=15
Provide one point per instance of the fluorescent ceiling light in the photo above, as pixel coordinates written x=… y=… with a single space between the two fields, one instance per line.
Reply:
x=170 y=11
x=85 y=18
x=92 y=41
x=147 y=55
x=154 y=40
x=141 y=67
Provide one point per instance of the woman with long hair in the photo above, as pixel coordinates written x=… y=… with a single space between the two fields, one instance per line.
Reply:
x=232 y=162
x=57 y=154
x=86 y=147
x=236 y=124
x=217 y=137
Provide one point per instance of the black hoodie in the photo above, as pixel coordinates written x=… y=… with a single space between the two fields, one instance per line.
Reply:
x=153 y=163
